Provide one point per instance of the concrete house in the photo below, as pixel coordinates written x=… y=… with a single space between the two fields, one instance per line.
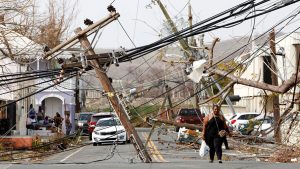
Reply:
x=27 y=57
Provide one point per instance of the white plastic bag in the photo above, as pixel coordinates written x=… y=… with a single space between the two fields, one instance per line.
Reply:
x=204 y=149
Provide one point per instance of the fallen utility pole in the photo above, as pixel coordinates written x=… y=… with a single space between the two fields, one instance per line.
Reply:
x=186 y=125
x=115 y=102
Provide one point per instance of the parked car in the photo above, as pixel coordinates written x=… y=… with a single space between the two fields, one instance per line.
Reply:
x=191 y=116
x=95 y=117
x=82 y=121
x=109 y=130
x=261 y=124
x=237 y=121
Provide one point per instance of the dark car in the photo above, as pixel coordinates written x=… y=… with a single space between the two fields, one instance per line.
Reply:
x=94 y=118
x=191 y=116
x=82 y=121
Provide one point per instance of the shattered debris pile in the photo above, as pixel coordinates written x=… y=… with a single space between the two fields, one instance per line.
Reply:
x=188 y=136
x=286 y=154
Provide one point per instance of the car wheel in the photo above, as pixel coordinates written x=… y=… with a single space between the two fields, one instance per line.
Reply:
x=176 y=129
x=95 y=144
x=90 y=136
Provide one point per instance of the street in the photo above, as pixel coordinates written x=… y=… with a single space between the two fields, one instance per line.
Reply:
x=164 y=154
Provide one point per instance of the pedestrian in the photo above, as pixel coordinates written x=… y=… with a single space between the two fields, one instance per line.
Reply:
x=58 y=121
x=225 y=143
x=46 y=121
x=68 y=124
x=214 y=129
x=31 y=112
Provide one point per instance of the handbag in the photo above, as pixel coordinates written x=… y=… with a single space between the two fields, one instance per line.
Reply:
x=221 y=133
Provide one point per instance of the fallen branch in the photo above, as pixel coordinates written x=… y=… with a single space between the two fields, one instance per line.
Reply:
x=190 y=126
x=286 y=86
x=228 y=86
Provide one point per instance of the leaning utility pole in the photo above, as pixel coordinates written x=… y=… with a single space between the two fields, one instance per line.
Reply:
x=188 y=51
x=81 y=36
x=182 y=42
x=193 y=43
x=275 y=97
x=115 y=102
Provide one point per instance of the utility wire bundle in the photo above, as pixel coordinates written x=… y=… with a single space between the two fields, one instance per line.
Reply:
x=225 y=19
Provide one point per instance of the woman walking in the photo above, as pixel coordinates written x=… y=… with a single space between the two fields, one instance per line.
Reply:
x=214 y=127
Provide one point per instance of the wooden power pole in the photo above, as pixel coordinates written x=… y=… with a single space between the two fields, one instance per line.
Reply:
x=96 y=63
x=275 y=97
x=115 y=102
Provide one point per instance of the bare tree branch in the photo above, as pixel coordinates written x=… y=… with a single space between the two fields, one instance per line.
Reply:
x=228 y=86
x=283 y=88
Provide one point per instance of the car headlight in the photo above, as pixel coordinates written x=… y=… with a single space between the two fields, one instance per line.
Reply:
x=97 y=132
x=120 y=131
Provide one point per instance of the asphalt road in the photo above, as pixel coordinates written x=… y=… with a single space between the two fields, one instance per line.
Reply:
x=165 y=154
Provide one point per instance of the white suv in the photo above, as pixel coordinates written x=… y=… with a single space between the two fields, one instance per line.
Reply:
x=241 y=119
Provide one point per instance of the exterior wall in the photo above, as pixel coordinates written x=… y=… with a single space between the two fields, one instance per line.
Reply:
x=251 y=97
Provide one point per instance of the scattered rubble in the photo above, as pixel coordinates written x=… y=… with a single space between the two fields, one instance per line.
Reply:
x=286 y=154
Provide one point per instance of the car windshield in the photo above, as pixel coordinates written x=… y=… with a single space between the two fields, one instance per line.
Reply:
x=233 y=117
x=84 y=116
x=189 y=112
x=109 y=122
x=96 y=118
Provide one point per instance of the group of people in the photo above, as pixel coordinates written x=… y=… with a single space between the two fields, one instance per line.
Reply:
x=214 y=133
x=34 y=119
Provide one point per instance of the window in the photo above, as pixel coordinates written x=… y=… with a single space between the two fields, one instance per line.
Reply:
x=110 y=122
x=266 y=70
x=243 y=117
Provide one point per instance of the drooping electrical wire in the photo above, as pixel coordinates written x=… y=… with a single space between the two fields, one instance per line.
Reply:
x=210 y=24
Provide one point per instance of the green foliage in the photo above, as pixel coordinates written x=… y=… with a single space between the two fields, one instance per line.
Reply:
x=223 y=81
x=139 y=114
x=250 y=126
x=108 y=109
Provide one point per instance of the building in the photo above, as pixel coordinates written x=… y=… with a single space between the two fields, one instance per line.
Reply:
x=257 y=69
x=18 y=54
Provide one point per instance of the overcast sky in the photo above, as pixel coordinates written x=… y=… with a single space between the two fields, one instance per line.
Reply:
x=139 y=19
